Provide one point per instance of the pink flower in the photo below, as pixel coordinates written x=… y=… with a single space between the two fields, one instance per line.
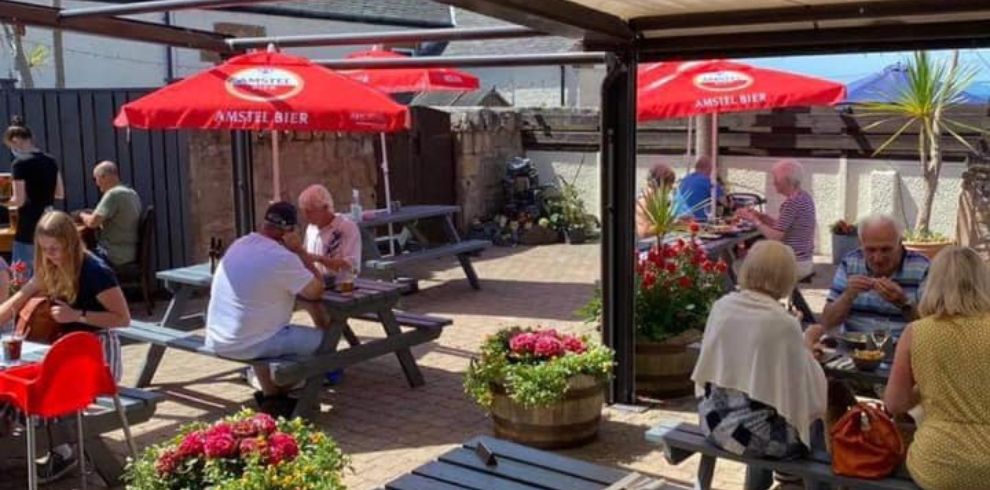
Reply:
x=167 y=463
x=192 y=445
x=574 y=344
x=264 y=423
x=219 y=429
x=282 y=447
x=250 y=446
x=548 y=346
x=220 y=446
x=522 y=343
x=244 y=428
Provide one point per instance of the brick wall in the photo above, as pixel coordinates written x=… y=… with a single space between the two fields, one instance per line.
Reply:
x=485 y=139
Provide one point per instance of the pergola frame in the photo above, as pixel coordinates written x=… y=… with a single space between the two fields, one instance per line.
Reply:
x=863 y=26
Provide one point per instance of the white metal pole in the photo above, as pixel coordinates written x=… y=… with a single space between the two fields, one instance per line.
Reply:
x=276 y=169
x=714 y=176
x=689 y=145
x=388 y=194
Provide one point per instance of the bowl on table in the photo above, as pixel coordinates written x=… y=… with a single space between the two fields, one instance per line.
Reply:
x=855 y=340
x=867 y=360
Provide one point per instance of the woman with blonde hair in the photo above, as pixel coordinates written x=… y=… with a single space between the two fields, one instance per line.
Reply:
x=751 y=348
x=85 y=296
x=942 y=363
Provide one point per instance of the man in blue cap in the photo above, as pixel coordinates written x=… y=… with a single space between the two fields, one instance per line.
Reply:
x=253 y=296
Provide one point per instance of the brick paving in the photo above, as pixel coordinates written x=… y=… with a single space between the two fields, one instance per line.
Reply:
x=387 y=428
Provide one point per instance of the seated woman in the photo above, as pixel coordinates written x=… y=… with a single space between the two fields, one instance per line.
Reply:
x=941 y=363
x=660 y=179
x=751 y=349
x=87 y=298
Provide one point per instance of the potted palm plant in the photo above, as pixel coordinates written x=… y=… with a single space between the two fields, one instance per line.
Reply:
x=933 y=88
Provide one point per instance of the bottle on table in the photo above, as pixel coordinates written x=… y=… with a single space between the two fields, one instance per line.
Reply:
x=356 y=209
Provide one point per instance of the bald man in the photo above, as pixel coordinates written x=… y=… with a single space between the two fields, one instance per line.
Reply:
x=116 y=216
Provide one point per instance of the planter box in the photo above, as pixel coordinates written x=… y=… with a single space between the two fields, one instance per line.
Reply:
x=570 y=422
x=663 y=369
x=842 y=245
x=928 y=249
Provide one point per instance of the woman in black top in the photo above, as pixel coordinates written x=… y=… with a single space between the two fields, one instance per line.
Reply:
x=37 y=184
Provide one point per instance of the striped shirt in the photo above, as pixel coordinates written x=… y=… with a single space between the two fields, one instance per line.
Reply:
x=869 y=310
x=797 y=222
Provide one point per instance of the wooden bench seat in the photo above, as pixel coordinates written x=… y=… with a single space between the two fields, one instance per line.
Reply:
x=413 y=320
x=681 y=440
x=459 y=248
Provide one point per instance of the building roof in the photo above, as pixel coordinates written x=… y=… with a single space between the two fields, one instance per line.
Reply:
x=543 y=44
x=474 y=98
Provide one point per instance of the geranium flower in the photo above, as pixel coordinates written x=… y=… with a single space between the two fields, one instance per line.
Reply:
x=685 y=282
x=574 y=344
x=220 y=446
x=192 y=444
x=282 y=447
x=167 y=463
x=548 y=346
x=522 y=343
x=250 y=446
x=244 y=428
x=649 y=280
x=264 y=423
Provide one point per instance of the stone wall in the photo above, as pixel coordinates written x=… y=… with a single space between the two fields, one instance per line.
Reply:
x=485 y=139
x=340 y=162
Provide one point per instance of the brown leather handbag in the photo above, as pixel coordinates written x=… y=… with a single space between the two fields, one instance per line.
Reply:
x=35 y=321
x=866 y=443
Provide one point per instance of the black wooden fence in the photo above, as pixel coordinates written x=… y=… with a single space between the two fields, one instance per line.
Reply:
x=76 y=127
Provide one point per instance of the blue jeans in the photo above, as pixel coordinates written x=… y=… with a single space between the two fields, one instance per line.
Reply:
x=23 y=252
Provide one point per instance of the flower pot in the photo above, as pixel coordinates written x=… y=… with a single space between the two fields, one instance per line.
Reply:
x=570 y=422
x=663 y=369
x=576 y=236
x=928 y=249
x=842 y=245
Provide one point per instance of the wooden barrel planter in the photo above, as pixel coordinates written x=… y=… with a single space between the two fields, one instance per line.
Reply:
x=570 y=422
x=663 y=369
x=928 y=249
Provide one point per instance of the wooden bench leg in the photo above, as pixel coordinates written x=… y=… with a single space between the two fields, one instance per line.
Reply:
x=468 y=267
x=406 y=359
x=706 y=472
x=151 y=361
x=758 y=478
x=104 y=461
x=308 y=402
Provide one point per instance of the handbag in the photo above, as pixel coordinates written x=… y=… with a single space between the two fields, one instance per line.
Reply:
x=35 y=322
x=866 y=443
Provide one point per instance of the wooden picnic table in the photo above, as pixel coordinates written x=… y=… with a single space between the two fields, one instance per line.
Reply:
x=879 y=376
x=100 y=418
x=370 y=300
x=407 y=218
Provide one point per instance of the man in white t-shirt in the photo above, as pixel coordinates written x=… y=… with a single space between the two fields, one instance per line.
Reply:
x=253 y=296
x=332 y=240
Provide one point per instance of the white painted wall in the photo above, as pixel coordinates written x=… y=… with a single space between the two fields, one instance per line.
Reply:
x=848 y=190
x=100 y=62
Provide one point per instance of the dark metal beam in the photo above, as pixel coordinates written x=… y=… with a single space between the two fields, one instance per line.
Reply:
x=618 y=188
x=451 y=34
x=152 y=6
x=469 y=61
x=897 y=36
x=557 y=17
x=134 y=30
x=811 y=13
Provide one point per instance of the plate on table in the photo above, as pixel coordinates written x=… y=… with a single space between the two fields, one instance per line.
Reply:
x=707 y=235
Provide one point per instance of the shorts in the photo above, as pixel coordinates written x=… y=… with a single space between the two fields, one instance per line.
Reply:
x=290 y=340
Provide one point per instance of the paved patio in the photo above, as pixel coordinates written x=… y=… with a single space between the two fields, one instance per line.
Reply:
x=388 y=428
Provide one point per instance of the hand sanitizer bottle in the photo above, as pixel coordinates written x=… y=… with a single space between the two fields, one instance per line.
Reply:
x=356 y=206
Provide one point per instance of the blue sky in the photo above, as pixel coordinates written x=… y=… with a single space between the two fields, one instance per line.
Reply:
x=849 y=67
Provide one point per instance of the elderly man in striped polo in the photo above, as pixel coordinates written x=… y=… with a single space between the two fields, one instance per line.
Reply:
x=795 y=224
x=876 y=286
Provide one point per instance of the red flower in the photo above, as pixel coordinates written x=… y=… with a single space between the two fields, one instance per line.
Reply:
x=19 y=267
x=192 y=445
x=671 y=268
x=649 y=279
x=167 y=463
x=219 y=429
x=251 y=446
x=669 y=252
x=685 y=282
x=548 y=346
x=244 y=428
x=722 y=266
x=574 y=344
x=282 y=447
x=264 y=423
x=522 y=343
x=694 y=228
x=220 y=446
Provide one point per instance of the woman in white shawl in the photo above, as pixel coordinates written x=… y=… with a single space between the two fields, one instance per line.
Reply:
x=761 y=387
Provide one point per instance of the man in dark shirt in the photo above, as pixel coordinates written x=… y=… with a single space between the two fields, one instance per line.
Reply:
x=37 y=184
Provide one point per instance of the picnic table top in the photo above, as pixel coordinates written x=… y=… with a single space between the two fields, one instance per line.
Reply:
x=365 y=290
x=409 y=213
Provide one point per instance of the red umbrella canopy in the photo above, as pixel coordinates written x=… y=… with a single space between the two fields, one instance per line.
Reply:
x=266 y=91
x=397 y=80
x=668 y=90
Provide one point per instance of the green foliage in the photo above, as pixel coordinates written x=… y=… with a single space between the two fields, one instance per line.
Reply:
x=319 y=465
x=659 y=207
x=591 y=312
x=567 y=211
x=926 y=236
x=529 y=379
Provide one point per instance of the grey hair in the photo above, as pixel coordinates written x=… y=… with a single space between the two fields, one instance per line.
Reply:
x=880 y=219
x=316 y=194
x=105 y=168
x=792 y=169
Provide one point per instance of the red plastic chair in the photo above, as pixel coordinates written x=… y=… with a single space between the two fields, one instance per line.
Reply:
x=68 y=379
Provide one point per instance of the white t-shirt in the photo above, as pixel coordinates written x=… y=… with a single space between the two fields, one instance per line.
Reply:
x=253 y=294
x=341 y=239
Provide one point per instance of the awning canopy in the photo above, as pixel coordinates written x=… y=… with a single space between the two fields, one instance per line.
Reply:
x=696 y=29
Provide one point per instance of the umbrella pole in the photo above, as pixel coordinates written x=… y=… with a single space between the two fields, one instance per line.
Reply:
x=388 y=194
x=276 y=169
x=688 y=145
x=714 y=176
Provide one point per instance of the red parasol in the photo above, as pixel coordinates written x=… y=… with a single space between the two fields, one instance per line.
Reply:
x=266 y=91
x=398 y=80
x=669 y=90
